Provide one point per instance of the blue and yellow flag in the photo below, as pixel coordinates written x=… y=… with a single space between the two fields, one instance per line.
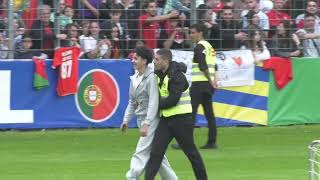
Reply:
x=242 y=105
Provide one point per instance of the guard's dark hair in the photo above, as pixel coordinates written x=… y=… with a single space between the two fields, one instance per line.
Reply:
x=165 y=54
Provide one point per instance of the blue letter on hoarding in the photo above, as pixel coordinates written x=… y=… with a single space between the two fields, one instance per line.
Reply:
x=6 y=114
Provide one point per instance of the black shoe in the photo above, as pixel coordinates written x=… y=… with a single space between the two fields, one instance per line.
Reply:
x=209 y=146
x=175 y=146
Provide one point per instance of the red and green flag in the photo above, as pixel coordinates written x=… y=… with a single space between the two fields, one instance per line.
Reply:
x=40 y=78
x=298 y=102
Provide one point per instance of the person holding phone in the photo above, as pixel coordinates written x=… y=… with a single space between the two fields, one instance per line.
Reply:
x=143 y=102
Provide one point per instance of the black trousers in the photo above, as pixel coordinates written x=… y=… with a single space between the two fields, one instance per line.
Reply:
x=179 y=127
x=201 y=93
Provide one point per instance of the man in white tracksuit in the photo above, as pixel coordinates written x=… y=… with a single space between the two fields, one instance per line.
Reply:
x=143 y=102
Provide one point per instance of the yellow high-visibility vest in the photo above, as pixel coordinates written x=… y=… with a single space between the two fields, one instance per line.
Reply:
x=182 y=107
x=197 y=74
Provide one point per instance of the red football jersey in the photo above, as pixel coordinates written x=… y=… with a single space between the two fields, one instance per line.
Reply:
x=67 y=59
x=150 y=31
x=282 y=70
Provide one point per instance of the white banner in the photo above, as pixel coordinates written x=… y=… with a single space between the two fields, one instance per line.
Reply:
x=235 y=68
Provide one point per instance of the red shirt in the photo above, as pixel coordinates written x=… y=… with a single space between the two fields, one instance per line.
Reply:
x=275 y=17
x=150 y=31
x=69 y=3
x=282 y=70
x=48 y=43
x=218 y=8
x=67 y=59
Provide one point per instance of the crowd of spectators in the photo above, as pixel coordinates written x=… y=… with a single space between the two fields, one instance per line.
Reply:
x=110 y=29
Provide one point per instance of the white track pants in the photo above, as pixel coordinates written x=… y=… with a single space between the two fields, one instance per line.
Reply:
x=141 y=157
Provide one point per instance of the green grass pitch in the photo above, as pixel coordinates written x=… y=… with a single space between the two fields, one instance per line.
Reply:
x=254 y=153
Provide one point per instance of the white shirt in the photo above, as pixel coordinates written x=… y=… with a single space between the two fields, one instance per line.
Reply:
x=90 y=43
x=264 y=20
x=136 y=79
x=266 y=5
x=316 y=25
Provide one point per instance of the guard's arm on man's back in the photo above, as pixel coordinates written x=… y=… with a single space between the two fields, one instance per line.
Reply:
x=177 y=85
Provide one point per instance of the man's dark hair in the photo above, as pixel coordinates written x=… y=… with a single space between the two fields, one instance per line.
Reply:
x=198 y=27
x=307 y=14
x=146 y=3
x=315 y=1
x=116 y=8
x=227 y=8
x=26 y=36
x=165 y=54
x=201 y=11
x=145 y=53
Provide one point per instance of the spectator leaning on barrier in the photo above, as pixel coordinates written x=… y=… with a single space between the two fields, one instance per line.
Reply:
x=42 y=32
x=108 y=24
x=149 y=24
x=26 y=52
x=277 y=14
x=216 y=7
x=174 y=36
x=72 y=32
x=310 y=37
x=96 y=45
x=117 y=44
x=253 y=22
x=115 y=14
x=85 y=31
x=226 y=34
x=284 y=43
x=257 y=45
x=312 y=8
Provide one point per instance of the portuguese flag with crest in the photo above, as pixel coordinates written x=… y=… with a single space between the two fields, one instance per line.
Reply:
x=97 y=95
